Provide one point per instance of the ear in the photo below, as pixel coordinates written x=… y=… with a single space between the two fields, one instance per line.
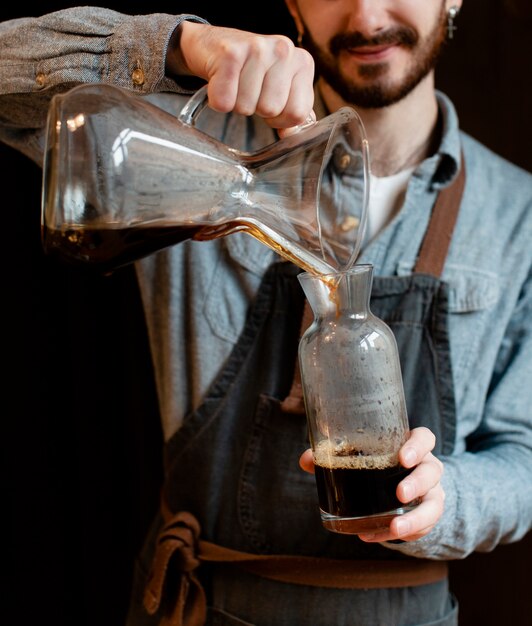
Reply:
x=294 y=12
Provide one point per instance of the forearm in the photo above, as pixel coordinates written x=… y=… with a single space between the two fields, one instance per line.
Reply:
x=488 y=501
x=489 y=486
x=74 y=46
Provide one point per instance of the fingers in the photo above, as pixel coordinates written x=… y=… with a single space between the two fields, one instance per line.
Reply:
x=306 y=461
x=422 y=485
x=287 y=94
x=416 y=523
x=420 y=442
x=266 y=75
x=286 y=132
x=422 y=519
x=421 y=480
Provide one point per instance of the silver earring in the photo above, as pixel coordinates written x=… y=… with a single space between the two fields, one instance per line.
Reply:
x=451 y=15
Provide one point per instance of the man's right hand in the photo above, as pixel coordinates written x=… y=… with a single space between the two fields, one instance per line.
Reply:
x=266 y=75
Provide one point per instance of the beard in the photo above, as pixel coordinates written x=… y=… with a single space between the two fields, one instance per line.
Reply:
x=382 y=91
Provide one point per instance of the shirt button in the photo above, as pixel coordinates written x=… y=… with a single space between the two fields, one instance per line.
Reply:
x=349 y=223
x=345 y=161
x=40 y=79
x=138 y=76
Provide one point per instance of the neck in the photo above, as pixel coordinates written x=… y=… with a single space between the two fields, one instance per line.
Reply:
x=400 y=135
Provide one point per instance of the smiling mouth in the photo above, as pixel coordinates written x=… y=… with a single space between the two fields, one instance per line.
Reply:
x=371 y=53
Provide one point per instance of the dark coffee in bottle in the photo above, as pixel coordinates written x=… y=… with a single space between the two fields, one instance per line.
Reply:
x=358 y=490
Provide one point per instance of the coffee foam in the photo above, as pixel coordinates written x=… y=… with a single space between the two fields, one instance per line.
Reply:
x=332 y=456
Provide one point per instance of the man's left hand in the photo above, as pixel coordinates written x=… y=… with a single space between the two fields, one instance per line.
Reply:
x=422 y=483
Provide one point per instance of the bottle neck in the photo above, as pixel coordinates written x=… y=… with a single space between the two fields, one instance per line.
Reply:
x=337 y=294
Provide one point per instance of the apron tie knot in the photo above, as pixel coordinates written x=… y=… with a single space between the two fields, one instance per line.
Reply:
x=173 y=572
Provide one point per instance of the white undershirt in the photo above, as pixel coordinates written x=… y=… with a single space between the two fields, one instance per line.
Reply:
x=386 y=196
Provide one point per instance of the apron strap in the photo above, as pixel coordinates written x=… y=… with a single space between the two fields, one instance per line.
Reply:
x=438 y=235
x=294 y=403
x=431 y=259
x=179 y=552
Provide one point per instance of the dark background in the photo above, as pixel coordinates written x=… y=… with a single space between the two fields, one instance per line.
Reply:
x=81 y=446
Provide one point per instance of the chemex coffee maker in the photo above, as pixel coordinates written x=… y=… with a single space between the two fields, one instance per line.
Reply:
x=123 y=178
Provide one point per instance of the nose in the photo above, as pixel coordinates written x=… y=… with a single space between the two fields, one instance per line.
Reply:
x=367 y=16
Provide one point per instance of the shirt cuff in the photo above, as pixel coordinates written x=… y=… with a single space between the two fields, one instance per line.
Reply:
x=140 y=44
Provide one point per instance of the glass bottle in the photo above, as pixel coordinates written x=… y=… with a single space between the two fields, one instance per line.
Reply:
x=355 y=404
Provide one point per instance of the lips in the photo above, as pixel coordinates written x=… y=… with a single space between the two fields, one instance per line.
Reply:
x=372 y=53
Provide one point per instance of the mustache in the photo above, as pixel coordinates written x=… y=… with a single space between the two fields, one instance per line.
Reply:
x=400 y=35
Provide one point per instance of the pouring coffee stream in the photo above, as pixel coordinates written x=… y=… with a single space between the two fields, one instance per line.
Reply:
x=123 y=179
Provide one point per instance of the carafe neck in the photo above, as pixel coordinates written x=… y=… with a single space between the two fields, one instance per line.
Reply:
x=339 y=294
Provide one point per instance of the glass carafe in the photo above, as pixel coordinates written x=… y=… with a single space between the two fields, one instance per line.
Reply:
x=355 y=405
x=123 y=178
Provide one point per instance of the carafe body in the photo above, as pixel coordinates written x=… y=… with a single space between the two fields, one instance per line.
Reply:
x=354 y=399
x=123 y=178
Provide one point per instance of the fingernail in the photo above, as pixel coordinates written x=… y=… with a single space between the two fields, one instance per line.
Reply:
x=408 y=491
x=410 y=456
x=403 y=527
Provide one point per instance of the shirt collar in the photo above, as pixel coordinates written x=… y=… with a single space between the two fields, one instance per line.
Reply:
x=441 y=168
x=450 y=147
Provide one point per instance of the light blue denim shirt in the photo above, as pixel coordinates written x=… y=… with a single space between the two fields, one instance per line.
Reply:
x=196 y=294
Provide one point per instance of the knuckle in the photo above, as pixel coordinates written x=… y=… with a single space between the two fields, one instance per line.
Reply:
x=298 y=113
x=244 y=108
x=428 y=435
x=218 y=102
x=268 y=113
x=260 y=49
x=283 y=47
x=306 y=60
x=232 y=54
x=293 y=117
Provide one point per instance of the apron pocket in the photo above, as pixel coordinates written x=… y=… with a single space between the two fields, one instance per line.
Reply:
x=271 y=466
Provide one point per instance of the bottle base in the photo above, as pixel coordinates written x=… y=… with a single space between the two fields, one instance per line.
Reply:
x=364 y=524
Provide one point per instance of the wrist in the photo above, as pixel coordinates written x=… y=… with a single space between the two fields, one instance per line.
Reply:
x=174 y=62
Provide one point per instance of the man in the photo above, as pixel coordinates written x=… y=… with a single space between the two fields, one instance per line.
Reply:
x=460 y=312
